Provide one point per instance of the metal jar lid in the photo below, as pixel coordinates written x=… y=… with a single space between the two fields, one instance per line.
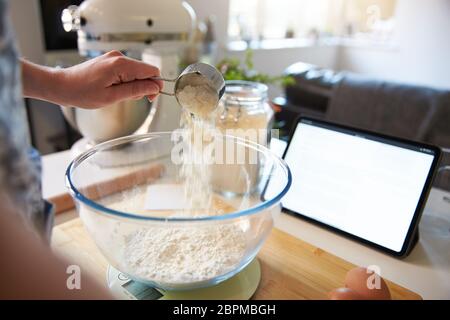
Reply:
x=242 y=94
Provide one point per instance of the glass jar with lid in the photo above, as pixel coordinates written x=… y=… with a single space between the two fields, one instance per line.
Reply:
x=245 y=112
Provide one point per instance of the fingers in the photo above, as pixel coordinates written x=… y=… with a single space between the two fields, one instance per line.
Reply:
x=114 y=53
x=129 y=78
x=160 y=84
x=151 y=98
x=133 y=89
x=126 y=70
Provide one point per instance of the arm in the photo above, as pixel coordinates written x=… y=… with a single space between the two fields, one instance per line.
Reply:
x=95 y=83
x=28 y=267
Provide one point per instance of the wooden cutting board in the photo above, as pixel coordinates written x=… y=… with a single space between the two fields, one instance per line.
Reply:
x=290 y=267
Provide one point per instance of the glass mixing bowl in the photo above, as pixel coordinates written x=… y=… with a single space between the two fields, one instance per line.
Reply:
x=116 y=185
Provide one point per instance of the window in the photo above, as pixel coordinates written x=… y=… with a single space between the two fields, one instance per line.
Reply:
x=278 y=19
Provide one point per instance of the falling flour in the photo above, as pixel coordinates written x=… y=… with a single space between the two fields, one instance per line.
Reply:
x=199 y=102
x=191 y=253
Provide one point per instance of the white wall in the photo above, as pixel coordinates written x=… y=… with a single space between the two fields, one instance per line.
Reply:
x=270 y=61
x=275 y=61
x=422 y=39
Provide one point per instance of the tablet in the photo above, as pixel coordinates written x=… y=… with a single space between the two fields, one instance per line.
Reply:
x=367 y=186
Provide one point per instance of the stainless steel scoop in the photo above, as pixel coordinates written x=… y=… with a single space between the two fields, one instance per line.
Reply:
x=194 y=75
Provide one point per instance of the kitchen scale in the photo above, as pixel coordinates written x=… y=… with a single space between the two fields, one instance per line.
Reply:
x=241 y=286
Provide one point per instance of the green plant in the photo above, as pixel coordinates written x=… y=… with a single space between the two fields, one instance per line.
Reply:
x=232 y=69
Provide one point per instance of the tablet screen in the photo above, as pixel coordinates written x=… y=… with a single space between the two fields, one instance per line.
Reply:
x=360 y=183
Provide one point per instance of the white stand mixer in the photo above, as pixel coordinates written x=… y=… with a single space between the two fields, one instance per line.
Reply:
x=156 y=31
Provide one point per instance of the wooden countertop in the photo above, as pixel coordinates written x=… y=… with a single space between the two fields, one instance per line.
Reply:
x=290 y=267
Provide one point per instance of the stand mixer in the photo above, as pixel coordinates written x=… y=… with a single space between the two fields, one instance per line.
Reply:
x=155 y=31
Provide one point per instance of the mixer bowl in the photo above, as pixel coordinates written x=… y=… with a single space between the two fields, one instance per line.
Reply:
x=114 y=121
x=170 y=249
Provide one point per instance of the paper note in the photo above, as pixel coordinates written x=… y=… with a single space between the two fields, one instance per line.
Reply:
x=165 y=197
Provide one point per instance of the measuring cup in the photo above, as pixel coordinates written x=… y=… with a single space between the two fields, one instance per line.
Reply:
x=197 y=74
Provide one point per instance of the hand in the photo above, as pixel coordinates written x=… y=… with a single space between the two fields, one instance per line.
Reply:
x=98 y=82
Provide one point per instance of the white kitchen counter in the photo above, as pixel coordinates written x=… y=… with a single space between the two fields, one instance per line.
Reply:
x=426 y=271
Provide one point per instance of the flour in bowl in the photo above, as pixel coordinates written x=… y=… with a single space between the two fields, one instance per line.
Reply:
x=184 y=255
